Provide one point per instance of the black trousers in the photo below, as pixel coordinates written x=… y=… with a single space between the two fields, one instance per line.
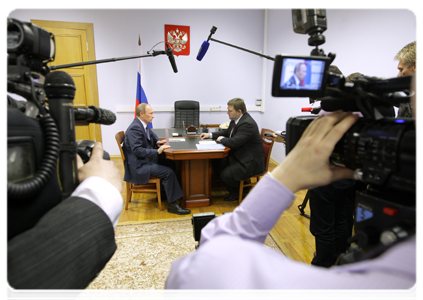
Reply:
x=331 y=219
x=223 y=170
x=165 y=170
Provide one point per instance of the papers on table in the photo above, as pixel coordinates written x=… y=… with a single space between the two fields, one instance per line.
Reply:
x=176 y=140
x=207 y=142
x=210 y=146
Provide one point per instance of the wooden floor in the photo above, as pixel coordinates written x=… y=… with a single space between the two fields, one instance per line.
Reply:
x=291 y=232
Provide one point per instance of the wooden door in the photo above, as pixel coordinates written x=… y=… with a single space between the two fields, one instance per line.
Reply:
x=75 y=43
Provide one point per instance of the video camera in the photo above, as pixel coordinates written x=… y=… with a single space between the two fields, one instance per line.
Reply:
x=41 y=130
x=381 y=150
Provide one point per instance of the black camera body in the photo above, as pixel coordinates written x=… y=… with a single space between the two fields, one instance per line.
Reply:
x=198 y=221
x=381 y=150
x=41 y=156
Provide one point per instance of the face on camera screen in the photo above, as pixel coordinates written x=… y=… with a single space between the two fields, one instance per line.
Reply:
x=302 y=74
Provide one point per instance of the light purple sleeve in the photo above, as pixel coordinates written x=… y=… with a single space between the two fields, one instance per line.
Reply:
x=252 y=220
x=232 y=255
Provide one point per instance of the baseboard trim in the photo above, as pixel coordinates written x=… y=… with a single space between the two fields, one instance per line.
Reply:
x=120 y=157
x=274 y=161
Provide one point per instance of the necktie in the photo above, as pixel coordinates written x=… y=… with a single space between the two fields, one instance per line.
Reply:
x=148 y=133
x=232 y=130
x=302 y=82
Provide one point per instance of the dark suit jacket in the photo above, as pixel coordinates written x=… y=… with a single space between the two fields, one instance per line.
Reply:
x=139 y=153
x=66 y=249
x=246 y=157
x=291 y=83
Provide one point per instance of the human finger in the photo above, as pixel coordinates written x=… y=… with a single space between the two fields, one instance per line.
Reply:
x=338 y=130
x=97 y=151
x=79 y=162
x=320 y=126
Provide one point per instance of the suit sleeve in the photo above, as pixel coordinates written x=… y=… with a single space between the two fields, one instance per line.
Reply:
x=154 y=137
x=243 y=134
x=135 y=137
x=223 y=132
x=66 y=249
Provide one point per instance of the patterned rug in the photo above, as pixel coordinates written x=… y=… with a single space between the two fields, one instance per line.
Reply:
x=145 y=253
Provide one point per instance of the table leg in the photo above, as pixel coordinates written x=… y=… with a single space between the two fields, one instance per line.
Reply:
x=196 y=183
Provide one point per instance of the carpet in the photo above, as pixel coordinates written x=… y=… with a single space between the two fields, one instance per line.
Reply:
x=145 y=253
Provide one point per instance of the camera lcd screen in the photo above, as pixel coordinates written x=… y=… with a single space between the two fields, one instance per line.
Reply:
x=20 y=159
x=300 y=76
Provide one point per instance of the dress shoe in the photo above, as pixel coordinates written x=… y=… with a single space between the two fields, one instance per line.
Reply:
x=175 y=208
x=231 y=198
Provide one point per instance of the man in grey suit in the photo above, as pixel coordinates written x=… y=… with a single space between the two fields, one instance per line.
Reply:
x=72 y=241
x=142 y=148
x=246 y=157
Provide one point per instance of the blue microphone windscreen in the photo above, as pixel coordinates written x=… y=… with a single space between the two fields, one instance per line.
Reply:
x=203 y=49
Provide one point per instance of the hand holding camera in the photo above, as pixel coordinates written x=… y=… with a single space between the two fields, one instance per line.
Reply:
x=97 y=166
x=307 y=165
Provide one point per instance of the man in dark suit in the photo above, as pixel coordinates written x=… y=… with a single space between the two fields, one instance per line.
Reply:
x=71 y=242
x=246 y=157
x=297 y=80
x=142 y=148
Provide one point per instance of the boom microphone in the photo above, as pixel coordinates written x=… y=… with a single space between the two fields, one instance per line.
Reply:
x=203 y=50
x=92 y=114
x=205 y=46
x=60 y=90
x=169 y=54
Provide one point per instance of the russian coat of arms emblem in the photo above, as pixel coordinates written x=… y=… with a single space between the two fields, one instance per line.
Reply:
x=178 y=38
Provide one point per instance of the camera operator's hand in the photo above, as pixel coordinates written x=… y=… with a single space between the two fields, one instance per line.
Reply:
x=307 y=165
x=97 y=166
x=162 y=148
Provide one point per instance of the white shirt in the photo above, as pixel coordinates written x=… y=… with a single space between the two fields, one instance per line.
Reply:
x=102 y=193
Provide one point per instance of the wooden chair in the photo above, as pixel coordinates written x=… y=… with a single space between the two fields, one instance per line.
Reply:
x=267 y=145
x=153 y=185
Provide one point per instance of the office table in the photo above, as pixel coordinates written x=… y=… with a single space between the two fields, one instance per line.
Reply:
x=196 y=167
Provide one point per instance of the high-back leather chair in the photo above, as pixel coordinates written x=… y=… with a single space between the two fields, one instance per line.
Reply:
x=153 y=185
x=268 y=146
x=187 y=112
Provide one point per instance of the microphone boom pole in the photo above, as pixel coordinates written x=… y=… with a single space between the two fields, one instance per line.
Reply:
x=244 y=49
x=85 y=63
x=205 y=46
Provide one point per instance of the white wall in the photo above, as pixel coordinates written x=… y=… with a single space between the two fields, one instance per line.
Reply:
x=364 y=41
x=224 y=73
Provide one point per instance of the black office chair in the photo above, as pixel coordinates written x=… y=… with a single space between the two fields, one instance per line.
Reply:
x=187 y=112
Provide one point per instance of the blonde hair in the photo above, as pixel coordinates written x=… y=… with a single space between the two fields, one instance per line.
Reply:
x=407 y=54
x=141 y=108
x=351 y=77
